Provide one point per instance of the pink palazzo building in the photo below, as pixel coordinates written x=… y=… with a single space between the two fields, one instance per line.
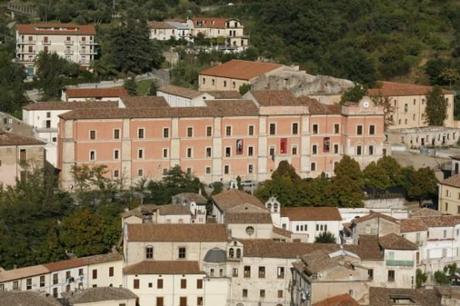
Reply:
x=221 y=140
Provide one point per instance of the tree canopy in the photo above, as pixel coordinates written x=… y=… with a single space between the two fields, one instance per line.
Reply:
x=436 y=107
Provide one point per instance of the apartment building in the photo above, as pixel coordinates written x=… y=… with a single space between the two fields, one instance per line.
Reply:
x=449 y=195
x=18 y=156
x=80 y=94
x=170 y=29
x=408 y=103
x=43 y=117
x=222 y=140
x=58 y=278
x=70 y=41
x=428 y=136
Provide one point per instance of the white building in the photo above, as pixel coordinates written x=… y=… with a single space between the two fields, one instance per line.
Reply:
x=183 y=97
x=170 y=29
x=44 y=118
x=80 y=94
x=70 y=41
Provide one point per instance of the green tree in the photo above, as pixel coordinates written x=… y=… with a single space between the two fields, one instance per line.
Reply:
x=244 y=88
x=348 y=167
x=325 y=237
x=441 y=278
x=436 y=107
x=420 y=278
x=420 y=184
x=450 y=75
x=376 y=178
x=11 y=85
x=131 y=86
x=354 y=94
x=153 y=88
x=392 y=169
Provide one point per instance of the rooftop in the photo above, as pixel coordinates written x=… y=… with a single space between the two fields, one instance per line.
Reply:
x=144 y=101
x=26 y=298
x=395 y=242
x=59 y=105
x=239 y=69
x=180 y=91
x=224 y=95
x=173 y=209
x=82 y=261
x=317 y=108
x=373 y=215
x=96 y=92
x=278 y=249
x=164 y=267
x=412 y=225
x=394 y=296
x=55 y=28
x=233 y=197
x=177 y=232
x=311 y=213
x=338 y=300
x=276 y=98
x=11 y=139
x=209 y=22
x=453 y=181
x=191 y=197
x=99 y=294
x=394 y=89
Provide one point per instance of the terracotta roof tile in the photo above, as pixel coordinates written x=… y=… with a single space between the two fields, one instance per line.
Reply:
x=164 y=267
x=59 y=105
x=421 y=297
x=453 y=181
x=441 y=221
x=368 y=248
x=311 y=213
x=231 y=198
x=177 y=232
x=338 y=300
x=282 y=232
x=276 y=98
x=55 y=28
x=412 y=225
x=99 y=294
x=144 y=101
x=82 y=261
x=278 y=249
x=224 y=95
x=173 y=209
x=9 y=275
x=96 y=92
x=239 y=69
x=373 y=215
x=209 y=22
x=400 y=89
x=180 y=91
x=11 y=139
x=424 y=212
x=317 y=108
x=26 y=298
x=248 y=218
x=160 y=25
x=395 y=242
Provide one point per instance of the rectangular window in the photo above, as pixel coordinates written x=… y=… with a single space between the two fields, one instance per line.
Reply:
x=189 y=132
x=250 y=151
x=165 y=132
x=228 y=131
x=262 y=293
x=94 y=273
x=28 y=283
x=160 y=283
x=183 y=301
x=189 y=152
x=226 y=169
x=92 y=134
x=55 y=278
x=371 y=150
x=208 y=152
x=42 y=281
x=313 y=167
x=165 y=153
x=358 y=150
x=199 y=301
x=280 y=272
x=372 y=130
x=116 y=134
x=261 y=272
x=314 y=150
x=160 y=301
x=336 y=128
x=250 y=168
x=228 y=152
x=140 y=133
x=140 y=172
x=182 y=253
x=136 y=284
x=251 y=130
x=208 y=170
x=183 y=283
x=199 y=284
x=140 y=153
x=295 y=128
x=80 y=272
x=245 y=293
x=149 y=252
x=272 y=129
x=359 y=130
x=116 y=154
x=336 y=149
x=391 y=275
x=235 y=272
x=247 y=271
x=111 y=271
x=326 y=144
x=294 y=150
x=283 y=145
x=209 y=131
x=92 y=155
x=315 y=129
x=16 y=285
x=280 y=294
x=22 y=155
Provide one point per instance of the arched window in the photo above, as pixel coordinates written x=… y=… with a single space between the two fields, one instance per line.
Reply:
x=238 y=253
x=231 y=252
x=269 y=206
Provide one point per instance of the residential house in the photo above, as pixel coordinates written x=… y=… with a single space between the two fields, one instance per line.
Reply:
x=380 y=296
x=373 y=224
x=408 y=104
x=449 y=195
x=196 y=203
x=11 y=124
x=19 y=155
x=80 y=94
x=159 y=214
x=75 y=43
x=170 y=29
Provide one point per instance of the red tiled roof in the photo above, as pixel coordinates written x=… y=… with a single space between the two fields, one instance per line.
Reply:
x=395 y=242
x=269 y=248
x=373 y=215
x=59 y=105
x=232 y=198
x=11 y=139
x=209 y=22
x=164 y=267
x=82 y=261
x=338 y=300
x=412 y=225
x=385 y=88
x=453 y=181
x=368 y=248
x=317 y=108
x=144 y=101
x=177 y=232
x=311 y=213
x=180 y=91
x=441 y=221
x=96 y=92
x=55 y=28
x=239 y=69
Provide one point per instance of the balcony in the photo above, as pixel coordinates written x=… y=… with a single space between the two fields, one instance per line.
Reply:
x=400 y=263
x=68 y=42
x=26 y=42
x=87 y=43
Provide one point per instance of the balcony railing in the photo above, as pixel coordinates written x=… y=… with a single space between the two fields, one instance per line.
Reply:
x=68 y=42
x=400 y=263
x=26 y=42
